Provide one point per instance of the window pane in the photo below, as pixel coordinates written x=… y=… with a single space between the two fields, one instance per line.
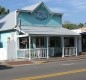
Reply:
x=23 y=43
x=69 y=42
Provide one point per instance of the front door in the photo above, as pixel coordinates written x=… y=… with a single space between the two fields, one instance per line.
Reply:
x=40 y=42
x=55 y=46
x=41 y=51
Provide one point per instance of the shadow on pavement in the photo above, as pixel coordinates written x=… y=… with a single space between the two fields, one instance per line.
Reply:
x=3 y=67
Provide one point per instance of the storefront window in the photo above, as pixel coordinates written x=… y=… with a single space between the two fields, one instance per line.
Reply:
x=23 y=43
x=69 y=41
x=55 y=42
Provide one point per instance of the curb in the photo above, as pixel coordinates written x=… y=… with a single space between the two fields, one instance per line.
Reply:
x=16 y=63
x=23 y=63
x=69 y=59
x=39 y=62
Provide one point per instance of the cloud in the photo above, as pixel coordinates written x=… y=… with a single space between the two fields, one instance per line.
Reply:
x=41 y=0
x=55 y=9
x=60 y=1
x=78 y=4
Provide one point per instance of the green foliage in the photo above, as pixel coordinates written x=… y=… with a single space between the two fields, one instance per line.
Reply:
x=3 y=10
x=80 y=25
x=70 y=25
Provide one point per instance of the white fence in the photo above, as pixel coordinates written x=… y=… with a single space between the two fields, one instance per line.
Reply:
x=69 y=51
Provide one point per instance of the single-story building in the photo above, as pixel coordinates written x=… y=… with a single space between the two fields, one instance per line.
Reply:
x=82 y=32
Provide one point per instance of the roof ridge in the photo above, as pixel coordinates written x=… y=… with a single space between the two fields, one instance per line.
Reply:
x=32 y=7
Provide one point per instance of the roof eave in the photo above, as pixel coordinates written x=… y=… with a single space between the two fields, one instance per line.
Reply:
x=57 y=13
x=42 y=3
x=7 y=30
x=19 y=10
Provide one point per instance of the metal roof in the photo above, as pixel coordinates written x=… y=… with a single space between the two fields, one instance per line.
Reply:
x=48 y=31
x=32 y=7
x=7 y=22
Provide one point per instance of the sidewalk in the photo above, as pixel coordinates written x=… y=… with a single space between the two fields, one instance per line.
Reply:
x=21 y=62
x=59 y=59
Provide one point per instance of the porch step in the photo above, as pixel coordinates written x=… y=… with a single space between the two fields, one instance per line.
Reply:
x=83 y=53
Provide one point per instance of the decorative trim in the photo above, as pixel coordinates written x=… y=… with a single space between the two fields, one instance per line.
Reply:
x=41 y=15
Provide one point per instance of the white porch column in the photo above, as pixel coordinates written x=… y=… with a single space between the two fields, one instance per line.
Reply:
x=47 y=47
x=62 y=39
x=17 y=44
x=76 y=44
x=29 y=47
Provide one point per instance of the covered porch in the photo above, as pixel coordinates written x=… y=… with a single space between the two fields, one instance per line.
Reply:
x=46 y=44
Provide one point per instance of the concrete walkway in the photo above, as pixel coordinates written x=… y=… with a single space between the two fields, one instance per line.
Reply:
x=57 y=59
x=21 y=62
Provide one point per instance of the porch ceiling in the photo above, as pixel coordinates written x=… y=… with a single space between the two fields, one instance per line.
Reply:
x=48 y=31
x=83 y=33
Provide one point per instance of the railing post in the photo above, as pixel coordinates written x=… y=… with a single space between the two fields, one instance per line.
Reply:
x=53 y=51
x=39 y=52
x=63 y=52
x=29 y=47
x=47 y=48
x=62 y=39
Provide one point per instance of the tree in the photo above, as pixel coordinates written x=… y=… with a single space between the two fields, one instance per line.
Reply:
x=3 y=10
x=8 y=11
x=70 y=25
x=80 y=25
x=85 y=24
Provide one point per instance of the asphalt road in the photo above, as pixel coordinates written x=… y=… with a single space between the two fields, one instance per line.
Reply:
x=69 y=70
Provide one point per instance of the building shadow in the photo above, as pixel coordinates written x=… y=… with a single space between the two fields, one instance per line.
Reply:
x=4 y=67
x=2 y=16
x=1 y=24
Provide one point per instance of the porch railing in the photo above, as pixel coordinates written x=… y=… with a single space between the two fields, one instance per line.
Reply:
x=23 y=53
x=42 y=52
x=34 y=53
x=54 y=50
x=69 y=51
x=39 y=53
x=51 y=51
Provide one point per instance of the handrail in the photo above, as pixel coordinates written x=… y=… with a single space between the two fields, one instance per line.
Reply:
x=69 y=47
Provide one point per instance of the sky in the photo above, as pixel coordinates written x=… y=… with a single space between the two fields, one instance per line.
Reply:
x=73 y=10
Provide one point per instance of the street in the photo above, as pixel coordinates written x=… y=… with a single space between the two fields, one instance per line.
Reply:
x=67 y=70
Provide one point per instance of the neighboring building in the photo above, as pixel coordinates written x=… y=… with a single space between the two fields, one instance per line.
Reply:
x=36 y=32
x=82 y=32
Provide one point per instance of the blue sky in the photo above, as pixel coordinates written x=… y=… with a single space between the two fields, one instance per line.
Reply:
x=74 y=10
